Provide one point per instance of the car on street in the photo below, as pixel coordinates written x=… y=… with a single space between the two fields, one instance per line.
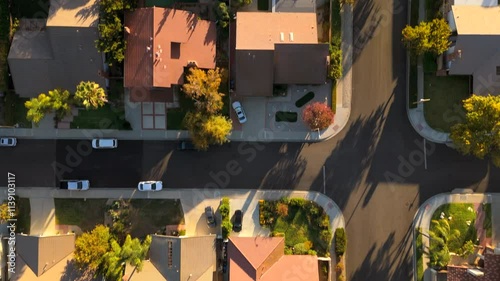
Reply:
x=242 y=117
x=186 y=145
x=210 y=216
x=74 y=184
x=238 y=221
x=104 y=143
x=150 y=186
x=7 y=141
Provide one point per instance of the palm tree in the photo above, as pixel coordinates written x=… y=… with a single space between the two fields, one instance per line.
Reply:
x=440 y=237
x=90 y=95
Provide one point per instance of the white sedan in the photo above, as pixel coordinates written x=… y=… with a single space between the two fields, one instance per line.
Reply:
x=239 y=112
x=8 y=141
x=150 y=186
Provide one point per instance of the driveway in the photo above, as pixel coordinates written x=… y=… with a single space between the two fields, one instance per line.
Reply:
x=250 y=224
x=194 y=216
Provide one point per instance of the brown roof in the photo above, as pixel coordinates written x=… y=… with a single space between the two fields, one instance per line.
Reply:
x=491 y=267
x=162 y=42
x=263 y=259
x=300 y=63
x=252 y=66
x=261 y=30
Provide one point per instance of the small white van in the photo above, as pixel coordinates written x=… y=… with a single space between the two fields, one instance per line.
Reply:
x=104 y=143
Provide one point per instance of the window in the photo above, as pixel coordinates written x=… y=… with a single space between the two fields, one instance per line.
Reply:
x=175 y=50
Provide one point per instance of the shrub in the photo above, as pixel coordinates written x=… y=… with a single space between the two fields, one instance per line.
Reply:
x=282 y=209
x=317 y=116
x=297 y=202
x=324 y=221
x=288 y=251
x=227 y=226
x=312 y=253
x=224 y=208
x=277 y=234
x=339 y=268
x=182 y=232
x=340 y=278
x=301 y=248
x=340 y=241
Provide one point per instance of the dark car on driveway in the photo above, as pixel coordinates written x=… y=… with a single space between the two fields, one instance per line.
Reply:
x=238 y=220
x=210 y=216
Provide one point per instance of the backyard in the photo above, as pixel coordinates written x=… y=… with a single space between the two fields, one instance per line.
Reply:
x=445 y=106
x=303 y=223
x=85 y=214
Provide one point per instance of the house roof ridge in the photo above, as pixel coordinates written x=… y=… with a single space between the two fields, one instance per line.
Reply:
x=249 y=261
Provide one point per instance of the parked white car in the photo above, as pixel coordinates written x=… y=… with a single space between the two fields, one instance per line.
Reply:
x=104 y=143
x=7 y=141
x=75 y=184
x=150 y=186
x=239 y=112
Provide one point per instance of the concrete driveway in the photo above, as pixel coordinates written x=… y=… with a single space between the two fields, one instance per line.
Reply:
x=194 y=216
x=250 y=224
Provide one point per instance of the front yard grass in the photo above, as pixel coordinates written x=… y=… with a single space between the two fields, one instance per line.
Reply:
x=150 y=216
x=303 y=223
x=106 y=117
x=86 y=214
x=23 y=214
x=15 y=111
x=462 y=219
x=446 y=94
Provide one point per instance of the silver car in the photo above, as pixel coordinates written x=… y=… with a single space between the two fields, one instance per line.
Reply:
x=150 y=186
x=7 y=141
x=104 y=143
x=242 y=117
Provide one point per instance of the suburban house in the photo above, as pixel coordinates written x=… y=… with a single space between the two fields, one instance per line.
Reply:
x=264 y=259
x=59 y=51
x=44 y=258
x=174 y=258
x=490 y=271
x=474 y=50
x=161 y=42
x=277 y=48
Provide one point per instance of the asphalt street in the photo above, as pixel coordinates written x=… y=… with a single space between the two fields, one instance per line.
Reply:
x=374 y=169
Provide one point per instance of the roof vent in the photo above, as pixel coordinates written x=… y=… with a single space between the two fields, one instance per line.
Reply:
x=291 y=36
x=475 y=272
x=282 y=36
x=127 y=29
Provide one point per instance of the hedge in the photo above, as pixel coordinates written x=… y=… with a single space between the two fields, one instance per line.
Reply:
x=340 y=241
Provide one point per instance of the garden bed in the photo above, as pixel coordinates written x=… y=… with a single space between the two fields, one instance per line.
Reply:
x=305 y=99
x=85 y=214
x=285 y=116
x=303 y=223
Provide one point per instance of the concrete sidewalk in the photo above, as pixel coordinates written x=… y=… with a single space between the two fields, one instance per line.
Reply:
x=424 y=214
x=416 y=115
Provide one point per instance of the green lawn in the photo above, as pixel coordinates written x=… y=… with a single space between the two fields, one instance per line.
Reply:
x=30 y=8
x=460 y=215
x=487 y=225
x=445 y=106
x=84 y=213
x=151 y=215
x=15 y=111
x=106 y=117
x=430 y=65
x=420 y=255
x=23 y=210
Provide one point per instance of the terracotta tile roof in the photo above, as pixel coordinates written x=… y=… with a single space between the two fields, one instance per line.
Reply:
x=263 y=259
x=161 y=42
x=261 y=30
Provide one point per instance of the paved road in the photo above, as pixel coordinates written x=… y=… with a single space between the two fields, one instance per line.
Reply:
x=374 y=168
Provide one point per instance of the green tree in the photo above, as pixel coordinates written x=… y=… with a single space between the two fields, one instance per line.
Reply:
x=427 y=37
x=91 y=247
x=90 y=95
x=132 y=251
x=203 y=88
x=4 y=213
x=207 y=130
x=222 y=12
x=479 y=135
x=236 y=4
x=440 y=237
x=56 y=101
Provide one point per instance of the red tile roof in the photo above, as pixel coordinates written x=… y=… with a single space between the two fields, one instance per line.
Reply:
x=263 y=259
x=161 y=42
